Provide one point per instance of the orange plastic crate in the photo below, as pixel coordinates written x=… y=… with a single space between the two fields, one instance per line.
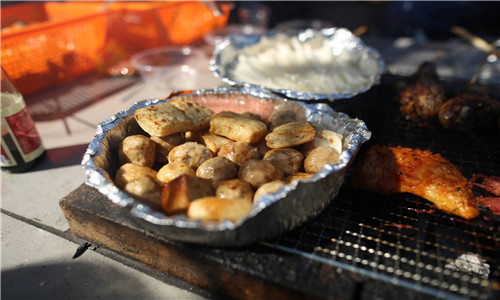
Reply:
x=138 y=25
x=63 y=40
x=59 y=41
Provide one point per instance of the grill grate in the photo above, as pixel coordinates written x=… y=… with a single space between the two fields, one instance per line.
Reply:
x=402 y=238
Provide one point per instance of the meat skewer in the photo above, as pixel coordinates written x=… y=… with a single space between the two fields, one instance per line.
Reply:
x=476 y=41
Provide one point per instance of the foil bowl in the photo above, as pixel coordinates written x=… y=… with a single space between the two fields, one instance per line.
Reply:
x=311 y=64
x=273 y=214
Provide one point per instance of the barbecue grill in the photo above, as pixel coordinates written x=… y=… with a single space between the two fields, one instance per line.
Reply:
x=361 y=246
x=404 y=239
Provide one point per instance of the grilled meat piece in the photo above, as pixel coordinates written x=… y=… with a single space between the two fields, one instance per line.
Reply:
x=390 y=170
x=469 y=111
x=422 y=95
x=489 y=183
x=492 y=203
x=420 y=102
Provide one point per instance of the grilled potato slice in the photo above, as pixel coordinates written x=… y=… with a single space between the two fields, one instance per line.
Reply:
x=324 y=138
x=288 y=160
x=319 y=157
x=217 y=169
x=173 y=170
x=257 y=172
x=164 y=144
x=137 y=149
x=268 y=188
x=238 y=127
x=146 y=189
x=214 y=142
x=290 y=135
x=178 y=193
x=218 y=209
x=234 y=189
x=238 y=152
x=190 y=153
x=129 y=172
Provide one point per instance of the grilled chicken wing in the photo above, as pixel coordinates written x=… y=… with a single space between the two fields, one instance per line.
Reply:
x=390 y=170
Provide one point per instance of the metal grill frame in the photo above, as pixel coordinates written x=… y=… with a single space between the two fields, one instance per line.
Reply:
x=404 y=239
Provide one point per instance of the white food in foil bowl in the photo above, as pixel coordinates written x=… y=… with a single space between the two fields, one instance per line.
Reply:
x=272 y=214
x=330 y=63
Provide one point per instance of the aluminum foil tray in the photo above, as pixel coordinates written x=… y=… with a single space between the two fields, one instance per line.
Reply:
x=310 y=64
x=273 y=214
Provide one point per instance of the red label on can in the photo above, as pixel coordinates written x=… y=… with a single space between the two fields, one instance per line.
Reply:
x=24 y=130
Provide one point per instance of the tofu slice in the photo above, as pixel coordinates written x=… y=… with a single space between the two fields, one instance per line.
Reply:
x=171 y=117
x=198 y=114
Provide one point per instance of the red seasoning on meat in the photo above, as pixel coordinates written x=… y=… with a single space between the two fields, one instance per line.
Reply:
x=390 y=170
x=490 y=184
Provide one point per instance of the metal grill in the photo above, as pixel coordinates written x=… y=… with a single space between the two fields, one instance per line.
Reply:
x=404 y=239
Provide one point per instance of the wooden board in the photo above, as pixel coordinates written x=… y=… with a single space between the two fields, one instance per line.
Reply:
x=253 y=272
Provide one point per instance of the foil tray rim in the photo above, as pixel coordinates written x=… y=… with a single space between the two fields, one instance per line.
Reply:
x=237 y=42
